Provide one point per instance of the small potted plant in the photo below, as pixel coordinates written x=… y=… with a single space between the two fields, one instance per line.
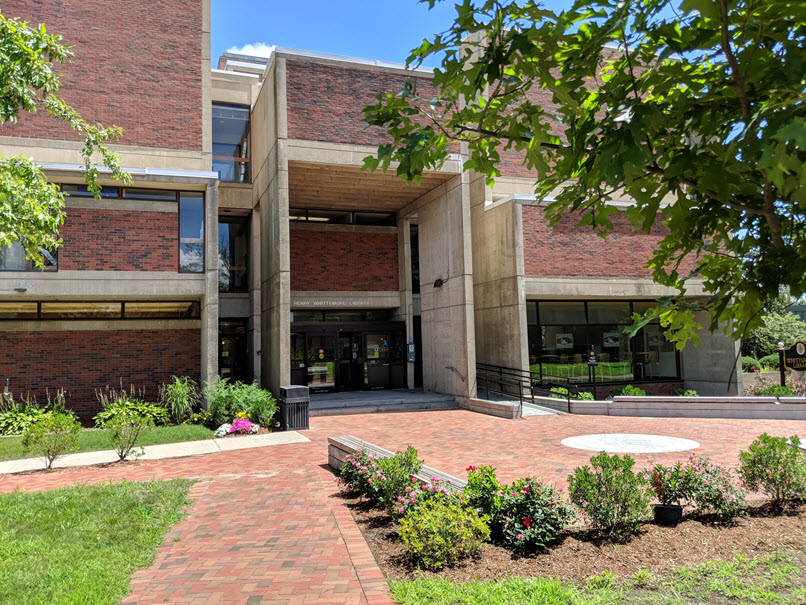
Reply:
x=671 y=485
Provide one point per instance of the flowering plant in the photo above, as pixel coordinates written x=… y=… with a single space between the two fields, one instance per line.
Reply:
x=243 y=425
x=483 y=491
x=532 y=514
x=416 y=495
x=671 y=484
x=715 y=489
x=357 y=474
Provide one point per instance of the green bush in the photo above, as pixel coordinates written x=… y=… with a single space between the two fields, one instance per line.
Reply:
x=482 y=493
x=714 y=489
x=18 y=415
x=532 y=514
x=686 y=393
x=563 y=393
x=394 y=476
x=357 y=473
x=124 y=432
x=671 y=484
x=778 y=390
x=611 y=495
x=128 y=407
x=771 y=361
x=750 y=364
x=631 y=391
x=442 y=532
x=180 y=397
x=775 y=467
x=52 y=436
x=227 y=400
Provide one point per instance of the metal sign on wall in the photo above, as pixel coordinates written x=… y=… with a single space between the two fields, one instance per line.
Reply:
x=795 y=356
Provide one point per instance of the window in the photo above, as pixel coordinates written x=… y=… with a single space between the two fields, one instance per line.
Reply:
x=17 y=310
x=61 y=310
x=82 y=191
x=231 y=143
x=233 y=255
x=12 y=258
x=81 y=310
x=342 y=217
x=162 y=310
x=562 y=334
x=191 y=233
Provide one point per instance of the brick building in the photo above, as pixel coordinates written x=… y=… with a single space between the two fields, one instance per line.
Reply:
x=250 y=243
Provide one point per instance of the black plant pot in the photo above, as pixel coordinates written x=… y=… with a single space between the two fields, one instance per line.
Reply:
x=668 y=514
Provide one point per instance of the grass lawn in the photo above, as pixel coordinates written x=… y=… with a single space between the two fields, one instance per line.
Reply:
x=82 y=544
x=93 y=440
x=774 y=578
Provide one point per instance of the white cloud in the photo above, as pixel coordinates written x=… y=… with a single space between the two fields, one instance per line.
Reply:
x=258 y=49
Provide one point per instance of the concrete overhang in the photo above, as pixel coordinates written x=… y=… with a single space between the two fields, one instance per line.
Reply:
x=329 y=186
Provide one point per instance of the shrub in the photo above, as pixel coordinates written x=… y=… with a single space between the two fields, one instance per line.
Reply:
x=686 y=393
x=532 y=514
x=483 y=492
x=201 y=417
x=775 y=467
x=770 y=361
x=670 y=484
x=631 y=391
x=416 y=495
x=126 y=407
x=750 y=364
x=179 y=397
x=442 y=532
x=394 y=476
x=227 y=400
x=125 y=431
x=778 y=390
x=16 y=416
x=563 y=393
x=714 y=489
x=610 y=494
x=52 y=436
x=356 y=474
x=765 y=384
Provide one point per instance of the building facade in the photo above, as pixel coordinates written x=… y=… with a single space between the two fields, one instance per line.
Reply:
x=251 y=244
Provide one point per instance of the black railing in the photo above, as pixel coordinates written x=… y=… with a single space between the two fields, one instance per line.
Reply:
x=525 y=385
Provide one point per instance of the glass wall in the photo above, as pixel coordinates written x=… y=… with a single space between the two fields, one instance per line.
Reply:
x=563 y=333
x=233 y=255
x=231 y=143
x=43 y=310
x=191 y=232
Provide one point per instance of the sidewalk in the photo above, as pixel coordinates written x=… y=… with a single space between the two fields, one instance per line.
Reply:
x=158 y=452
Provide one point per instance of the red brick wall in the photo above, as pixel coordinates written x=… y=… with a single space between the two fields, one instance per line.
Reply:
x=343 y=260
x=95 y=239
x=81 y=361
x=325 y=101
x=137 y=65
x=568 y=250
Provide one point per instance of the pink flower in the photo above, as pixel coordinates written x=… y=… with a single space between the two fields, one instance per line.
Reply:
x=400 y=510
x=520 y=536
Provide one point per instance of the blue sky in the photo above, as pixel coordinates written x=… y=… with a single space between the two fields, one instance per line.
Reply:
x=385 y=30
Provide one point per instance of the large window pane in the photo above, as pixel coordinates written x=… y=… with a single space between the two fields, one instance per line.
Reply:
x=18 y=310
x=608 y=312
x=642 y=307
x=233 y=256
x=163 y=310
x=81 y=310
x=655 y=356
x=231 y=143
x=560 y=313
x=191 y=233
x=12 y=258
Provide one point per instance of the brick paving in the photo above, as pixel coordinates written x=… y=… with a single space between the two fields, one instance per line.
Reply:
x=268 y=527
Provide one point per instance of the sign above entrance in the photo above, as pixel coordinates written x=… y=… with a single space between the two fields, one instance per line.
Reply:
x=349 y=303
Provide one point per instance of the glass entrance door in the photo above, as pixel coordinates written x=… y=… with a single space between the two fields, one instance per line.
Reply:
x=321 y=361
x=233 y=352
x=350 y=374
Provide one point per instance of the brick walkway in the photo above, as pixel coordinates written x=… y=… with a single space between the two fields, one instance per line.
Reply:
x=267 y=527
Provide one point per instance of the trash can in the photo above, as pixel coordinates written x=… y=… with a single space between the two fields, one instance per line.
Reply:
x=294 y=407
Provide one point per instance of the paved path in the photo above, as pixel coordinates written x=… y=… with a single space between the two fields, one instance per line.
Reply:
x=267 y=526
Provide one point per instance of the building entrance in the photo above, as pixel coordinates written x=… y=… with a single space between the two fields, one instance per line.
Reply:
x=342 y=356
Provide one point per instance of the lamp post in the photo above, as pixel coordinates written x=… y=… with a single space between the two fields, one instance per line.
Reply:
x=781 y=366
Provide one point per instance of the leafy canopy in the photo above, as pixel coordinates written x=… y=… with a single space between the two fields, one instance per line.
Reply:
x=31 y=209
x=695 y=110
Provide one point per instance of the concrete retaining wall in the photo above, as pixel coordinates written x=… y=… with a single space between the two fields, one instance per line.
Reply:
x=787 y=408
x=502 y=409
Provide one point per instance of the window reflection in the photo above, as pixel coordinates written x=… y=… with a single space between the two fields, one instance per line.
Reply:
x=231 y=143
x=191 y=233
x=233 y=255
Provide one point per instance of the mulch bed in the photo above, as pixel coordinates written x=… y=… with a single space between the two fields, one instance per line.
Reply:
x=578 y=556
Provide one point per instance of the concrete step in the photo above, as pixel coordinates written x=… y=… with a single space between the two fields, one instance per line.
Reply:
x=374 y=407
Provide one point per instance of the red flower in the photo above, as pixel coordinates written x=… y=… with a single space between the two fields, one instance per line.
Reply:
x=526 y=489
x=470 y=468
x=527 y=522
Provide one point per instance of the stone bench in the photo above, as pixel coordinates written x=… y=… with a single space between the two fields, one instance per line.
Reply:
x=339 y=447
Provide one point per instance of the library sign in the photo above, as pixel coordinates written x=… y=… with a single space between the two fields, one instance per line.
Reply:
x=795 y=356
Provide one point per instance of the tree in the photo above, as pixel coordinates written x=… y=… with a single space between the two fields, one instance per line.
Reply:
x=31 y=209
x=701 y=105
x=778 y=326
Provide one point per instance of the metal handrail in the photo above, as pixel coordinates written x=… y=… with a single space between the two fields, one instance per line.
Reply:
x=503 y=380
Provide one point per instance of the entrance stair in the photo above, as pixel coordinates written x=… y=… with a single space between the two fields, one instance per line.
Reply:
x=370 y=402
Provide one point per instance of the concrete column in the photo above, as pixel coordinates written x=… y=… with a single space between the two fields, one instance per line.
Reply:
x=449 y=356
x=406 y=293
x=707 y=367
x=254 y=323
x=209 y=304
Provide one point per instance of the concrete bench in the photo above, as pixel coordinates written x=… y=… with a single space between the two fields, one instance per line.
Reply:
x=339 y=447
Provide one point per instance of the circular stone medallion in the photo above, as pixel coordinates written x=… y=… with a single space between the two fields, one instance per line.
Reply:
x=624 y=443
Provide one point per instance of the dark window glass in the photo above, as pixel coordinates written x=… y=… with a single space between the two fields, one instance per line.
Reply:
x=374 y=218
x=12 y=258
x=307 y=316
x=162 y=310
x=191 y=233
x=82 y=191
x=18 y=310
x=608 y=312
x=339 y=217
x=559 y=313
x=655 y=357
x=531 y=313
x=160 y=195
x=81 y=310
x=233 y=256
x=231 y=143
x=642 y=307
x=415 y=259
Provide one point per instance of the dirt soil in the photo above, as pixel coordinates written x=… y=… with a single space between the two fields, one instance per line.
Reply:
x=576 y=556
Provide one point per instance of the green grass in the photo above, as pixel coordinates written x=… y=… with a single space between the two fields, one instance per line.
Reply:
x=94 y=440
x=774 y=578
x=605 y=370
x=82 y=544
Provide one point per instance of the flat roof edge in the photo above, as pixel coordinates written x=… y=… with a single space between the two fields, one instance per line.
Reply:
x=205 y=175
